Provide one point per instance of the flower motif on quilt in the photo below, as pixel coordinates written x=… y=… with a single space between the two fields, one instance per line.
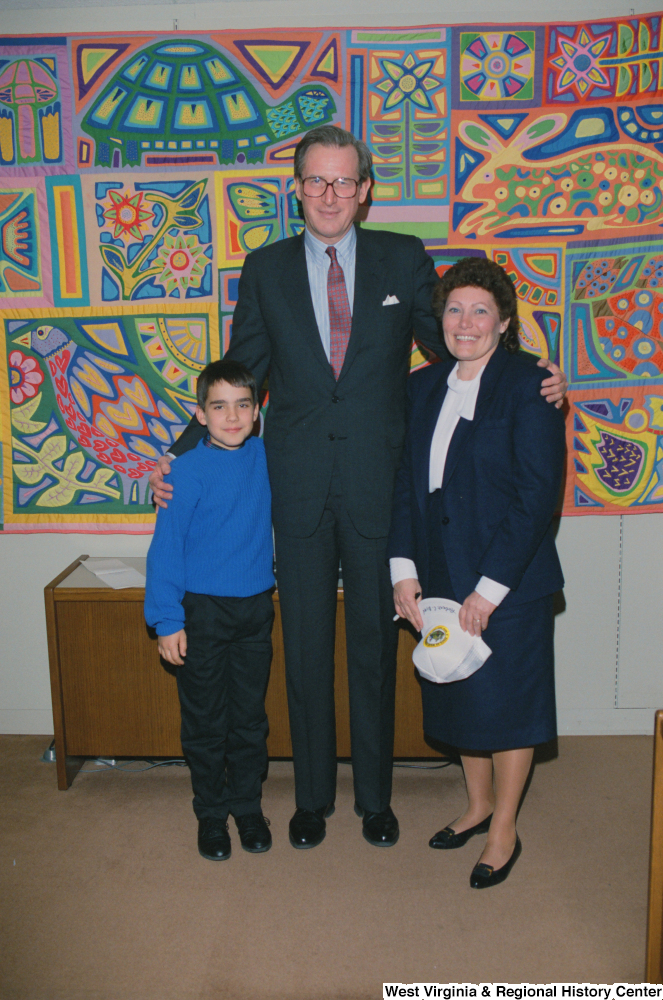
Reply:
x=155 y=243
x=410 y=78
x=24 y=376
x=409 y=126
x=497 y=66
x=578 y=63
x=184 y=262
x=126 y=214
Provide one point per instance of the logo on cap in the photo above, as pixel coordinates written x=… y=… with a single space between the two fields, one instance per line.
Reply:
x=437 y=636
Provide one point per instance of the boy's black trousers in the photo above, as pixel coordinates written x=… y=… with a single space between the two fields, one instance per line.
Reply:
x=222 y=689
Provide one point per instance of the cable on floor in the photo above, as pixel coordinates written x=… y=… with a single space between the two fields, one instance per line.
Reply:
x=106 y=765
x=416 y=767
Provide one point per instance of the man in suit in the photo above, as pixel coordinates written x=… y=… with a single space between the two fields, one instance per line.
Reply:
x=330 y=315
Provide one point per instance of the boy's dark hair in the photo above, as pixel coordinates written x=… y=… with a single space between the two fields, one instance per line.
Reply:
x=330 y=135
x=224 y=371
x=479 y=272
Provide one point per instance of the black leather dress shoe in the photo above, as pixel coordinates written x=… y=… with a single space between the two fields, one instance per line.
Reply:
x=483 y=876
x=254 y=833
x=379 y=829
x=213 y=839
x=308 y=827
x=447 y=839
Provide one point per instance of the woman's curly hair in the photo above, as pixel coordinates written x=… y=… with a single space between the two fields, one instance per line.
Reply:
x=478 y=272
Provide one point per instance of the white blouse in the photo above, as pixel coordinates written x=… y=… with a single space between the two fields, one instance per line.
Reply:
x=460 y=401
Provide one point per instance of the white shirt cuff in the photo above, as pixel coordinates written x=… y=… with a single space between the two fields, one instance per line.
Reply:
x=491 y=590
x=402 y=569
x=405 y=569
x=170 y=456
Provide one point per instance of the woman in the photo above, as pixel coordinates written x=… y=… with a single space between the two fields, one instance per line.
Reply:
x=472 y=521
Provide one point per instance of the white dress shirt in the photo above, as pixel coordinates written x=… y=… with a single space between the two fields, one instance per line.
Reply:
x=460 y=401
x=318 y=263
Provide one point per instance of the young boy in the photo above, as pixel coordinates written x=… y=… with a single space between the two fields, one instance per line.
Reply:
x=208 y=595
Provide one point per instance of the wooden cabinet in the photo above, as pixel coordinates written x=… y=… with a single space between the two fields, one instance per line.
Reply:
x=113 y=697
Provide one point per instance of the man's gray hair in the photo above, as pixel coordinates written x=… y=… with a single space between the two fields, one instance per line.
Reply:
x=329 y=135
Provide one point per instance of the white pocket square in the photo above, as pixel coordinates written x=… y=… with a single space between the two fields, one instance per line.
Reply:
x=391 y=300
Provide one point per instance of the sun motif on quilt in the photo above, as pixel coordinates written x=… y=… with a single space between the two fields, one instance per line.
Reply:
x=408 y=78
x=24 y=376
x=497 y=66
x=578 y=62
x=127 y=215
x=184 y=262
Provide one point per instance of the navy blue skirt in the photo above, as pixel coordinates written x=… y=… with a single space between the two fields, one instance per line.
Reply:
x=509 y=702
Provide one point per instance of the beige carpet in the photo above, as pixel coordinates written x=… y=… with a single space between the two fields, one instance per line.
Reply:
x=104 y=896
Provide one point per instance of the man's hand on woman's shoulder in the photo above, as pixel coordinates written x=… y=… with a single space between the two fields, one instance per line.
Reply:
x=553 y=389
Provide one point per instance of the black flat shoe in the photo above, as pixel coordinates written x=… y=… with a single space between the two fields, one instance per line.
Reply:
x=254 y=833
x=379 y=828
x=308 y=828
x=447 y=839
x=213 y=840
x=483 y=876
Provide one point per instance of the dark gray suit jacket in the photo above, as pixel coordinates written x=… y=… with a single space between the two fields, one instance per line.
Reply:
x=313 y=420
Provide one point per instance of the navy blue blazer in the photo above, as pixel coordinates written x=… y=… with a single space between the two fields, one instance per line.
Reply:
x=501 y=481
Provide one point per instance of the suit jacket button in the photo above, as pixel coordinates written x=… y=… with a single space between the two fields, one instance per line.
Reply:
x=332 y=437
x=445 y=520
x=334 y=399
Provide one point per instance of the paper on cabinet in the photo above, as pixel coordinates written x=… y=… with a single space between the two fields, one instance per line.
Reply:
x=115 y=573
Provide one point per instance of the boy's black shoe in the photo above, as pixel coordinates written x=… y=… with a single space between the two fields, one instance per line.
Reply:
x=213 y=839
x=254 y=833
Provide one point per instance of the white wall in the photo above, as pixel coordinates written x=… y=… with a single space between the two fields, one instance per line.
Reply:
x=133 y=15
x=609 y=639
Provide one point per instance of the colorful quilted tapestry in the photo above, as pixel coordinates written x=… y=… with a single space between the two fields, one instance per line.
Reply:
x=138 y=170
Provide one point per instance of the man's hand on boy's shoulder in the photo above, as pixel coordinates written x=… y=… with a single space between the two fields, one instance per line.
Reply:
x=173 y=647
x=161 y=490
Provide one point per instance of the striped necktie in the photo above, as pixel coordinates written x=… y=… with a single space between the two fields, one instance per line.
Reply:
x=340 y=317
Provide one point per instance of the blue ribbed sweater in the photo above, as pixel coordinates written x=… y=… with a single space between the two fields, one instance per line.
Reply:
x=215 y=536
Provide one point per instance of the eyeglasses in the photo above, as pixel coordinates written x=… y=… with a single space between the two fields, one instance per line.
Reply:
x=343 y=187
